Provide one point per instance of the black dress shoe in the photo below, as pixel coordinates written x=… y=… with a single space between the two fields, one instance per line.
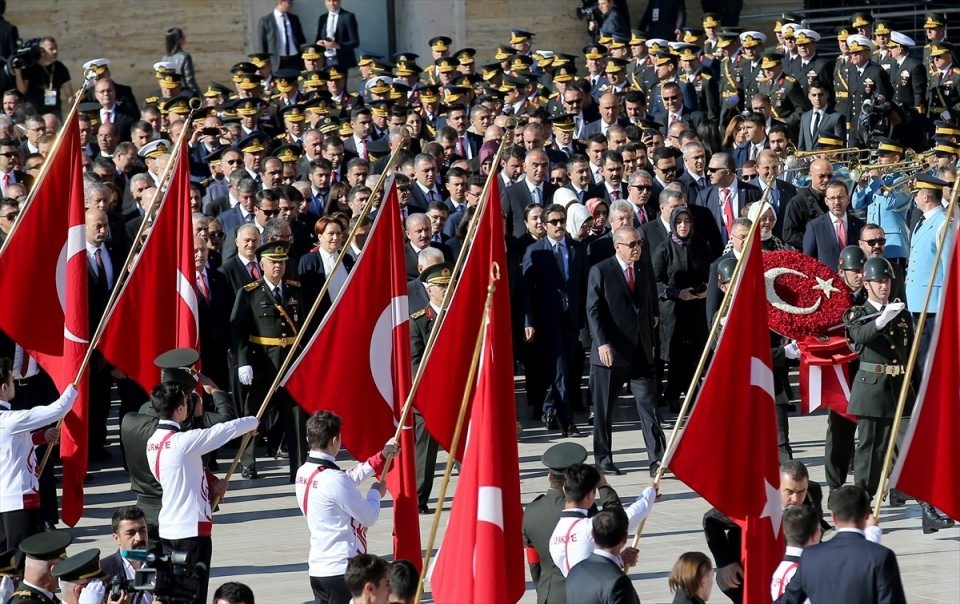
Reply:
x=610 y=469
x=591 y=417
x=250 y=473
x=654 y=468
x=424 y=509
x=896 y=498
x=571 y=428
x=549 y=420
x=933 y=520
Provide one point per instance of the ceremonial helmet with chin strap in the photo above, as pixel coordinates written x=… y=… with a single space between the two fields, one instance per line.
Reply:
x=852 y=258
x=877 y=269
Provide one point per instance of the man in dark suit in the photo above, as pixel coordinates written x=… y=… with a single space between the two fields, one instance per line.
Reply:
x=609 y=106
x=756 y=140
x=337 y=32
x=114 y=111
x=829 y=233
x=821 y=118
x=847 y=568
x=599 y=578
x=768 y=168
x=553 y=299
x=672 y=109
x=807 y=204
x=622 y=313
x=213 y=297
x=129 y=526
x=533 y=188
x=242 y=268
x=727 y=196
x=419 y=233
x=612 y=188
x=281 y=36
x=425 y=187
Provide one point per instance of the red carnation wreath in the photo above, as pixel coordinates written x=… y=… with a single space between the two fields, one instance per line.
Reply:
x=804 y=297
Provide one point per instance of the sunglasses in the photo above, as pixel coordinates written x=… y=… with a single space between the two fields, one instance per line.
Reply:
x=10 y=154
x=875 y=242
x=216 y=234
x=557 y=221
x=630 y=244
x=403 y=189
x=670 y=170
x=670 y=98
x=711 y=169
x=269 y=213
x=642 y=187
x=11 y=215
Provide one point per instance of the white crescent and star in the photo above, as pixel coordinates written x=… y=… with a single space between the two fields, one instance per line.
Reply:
x=770 y=279
x=75 y=244
x=381 y=347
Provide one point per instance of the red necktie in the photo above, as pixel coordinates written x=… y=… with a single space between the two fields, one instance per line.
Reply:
x=6 y=181
x=615 y=194
x=460 y=146
x=202 y=286
x=642 y=216
x=727 y=209
x=255 y=271
x=106 y=116
x=841 y=234
x=631 y=282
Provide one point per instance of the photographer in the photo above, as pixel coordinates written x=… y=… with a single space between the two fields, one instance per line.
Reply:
x=137 y=428
x=129 y=533
x=609 y=19
x=46 y=81
x=175 y=458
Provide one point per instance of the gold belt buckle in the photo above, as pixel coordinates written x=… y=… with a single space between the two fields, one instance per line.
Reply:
x=283 y=341
x=894 y=370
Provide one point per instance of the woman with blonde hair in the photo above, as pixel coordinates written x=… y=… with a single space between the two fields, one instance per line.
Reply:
x=691 y=579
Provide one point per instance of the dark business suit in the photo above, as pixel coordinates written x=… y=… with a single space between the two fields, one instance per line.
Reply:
x=831 y=122
x=312 y=276
x=710 y=199
x=741 y=153
x=419 y=201
x=231 y=220
x=411 y=257
x=214 y=317
x=693 y=119
x=98 y=294
x=113 y=566
x=820 y=238
x=517 y=198
x=346 y=36
x=553 y=298
x=624 y=320
x=600 y=190
x=847 y=568
x=778 y=198
x=598 y=580
x=270 y=38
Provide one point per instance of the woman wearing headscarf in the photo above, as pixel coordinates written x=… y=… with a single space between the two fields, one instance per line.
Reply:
x=600 y=210
x=579 y=222
x=681 y=267
x=768 y=220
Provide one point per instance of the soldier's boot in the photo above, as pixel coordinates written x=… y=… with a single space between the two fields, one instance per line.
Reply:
x=933 y=520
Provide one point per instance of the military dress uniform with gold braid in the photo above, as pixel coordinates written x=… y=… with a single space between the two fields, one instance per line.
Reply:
x=708 y=94
x=731 y=86
x=876 y=385
x=263 y=331
x=787 y=101
x=841 y=87
x=909 y=81
x=944 y=93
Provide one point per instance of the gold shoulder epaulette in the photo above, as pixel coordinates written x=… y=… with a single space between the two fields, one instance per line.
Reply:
x=705 y=76
x=292 y=282
x=251 y=286
x=419 y=313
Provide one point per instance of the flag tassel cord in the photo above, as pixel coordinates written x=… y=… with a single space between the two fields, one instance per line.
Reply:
x=447 y=296
x=364 y=212
x=701 y=366
x=458 y=431
x=912 y=359
x=124 y=272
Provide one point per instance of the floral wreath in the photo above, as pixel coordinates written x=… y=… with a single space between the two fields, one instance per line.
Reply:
x=804 y=297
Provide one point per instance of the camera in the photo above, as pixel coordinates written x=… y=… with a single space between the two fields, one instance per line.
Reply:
x=588 y=11
x=873 y=119
x=118 y=585
x=169 y=578
x=27 y=55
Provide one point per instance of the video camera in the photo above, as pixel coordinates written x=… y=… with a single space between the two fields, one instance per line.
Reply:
x=169 y=578
x=588 y=11
x=27 y=55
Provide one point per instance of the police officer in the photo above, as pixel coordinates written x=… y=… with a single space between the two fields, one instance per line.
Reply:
x=42 y=551
x=883 y=334
x=435 y=279
x=266 y=317
x=541 y=516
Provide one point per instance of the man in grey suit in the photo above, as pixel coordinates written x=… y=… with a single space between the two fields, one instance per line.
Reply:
x=281 y=36
x=821 y=118
x=600 y=579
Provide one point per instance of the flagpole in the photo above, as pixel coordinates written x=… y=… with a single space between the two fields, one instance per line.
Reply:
x=701 y=366
x=364 y=212
x=447 y=296
x=458 y=430
x=914 y=353
x=122 y=274
x=45 y=166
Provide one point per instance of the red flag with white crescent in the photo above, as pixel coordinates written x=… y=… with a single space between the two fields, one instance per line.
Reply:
x=157 y=309
x=357 y=365
x=57 y=274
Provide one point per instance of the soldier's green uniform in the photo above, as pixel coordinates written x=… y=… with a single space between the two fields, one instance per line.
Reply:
x=541 y=515
x=264 y=327
x=47 y=546
x=787 y=100
x=876 y=386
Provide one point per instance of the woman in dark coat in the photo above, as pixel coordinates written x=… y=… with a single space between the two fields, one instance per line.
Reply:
x=681 y=267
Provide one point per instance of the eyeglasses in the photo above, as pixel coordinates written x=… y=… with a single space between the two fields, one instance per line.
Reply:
x=403 y=188
x=9 y=154
x=712 y=169
x=556 y=180
x=669 y=170
x=269 y=213
x=670 y=98
x=836 y=198
x=641 y=187
x=11 y=215
x=880 y=242
x=557 y=221
x=630 y=244
x=233 y=162
x=749 y=176
x=216 y=234
x=573 y=102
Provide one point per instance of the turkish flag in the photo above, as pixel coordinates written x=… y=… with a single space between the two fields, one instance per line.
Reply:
x=481 y=557
x=824 y=380
x=49 y=318
x=156 y=310
x=929 y=461
x=357 y=365
x=733 y=425
x=445 y=369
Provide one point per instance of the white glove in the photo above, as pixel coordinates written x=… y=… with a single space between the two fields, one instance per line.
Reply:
x=6 y=588
x=92 y=593
x=889 y=312
x=791 y=350
x=245 y=374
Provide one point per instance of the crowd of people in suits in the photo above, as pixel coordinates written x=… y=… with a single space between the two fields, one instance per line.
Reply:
x=627 y=187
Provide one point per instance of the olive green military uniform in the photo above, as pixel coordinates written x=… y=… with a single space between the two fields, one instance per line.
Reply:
x=876 y=385
x=841 y=87
x=943 y=93
x=787 y=100
x=425 y=447
x=263 y=332
x=731 y=87
x=708 y=94
x=28 y=594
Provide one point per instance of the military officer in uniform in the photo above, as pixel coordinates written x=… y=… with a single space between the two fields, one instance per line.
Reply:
x=43 y=551
x=266 y=317
x=435 y=278
x=841 y=84
x=751 y=47
x=787 y=100
x=541 y=515
x=810 y=66
x=935 y=27
x=907 y=75
x=80 y=573
x=695 y=73
x=731 y=77
x=943 y=98
x=867 y=80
